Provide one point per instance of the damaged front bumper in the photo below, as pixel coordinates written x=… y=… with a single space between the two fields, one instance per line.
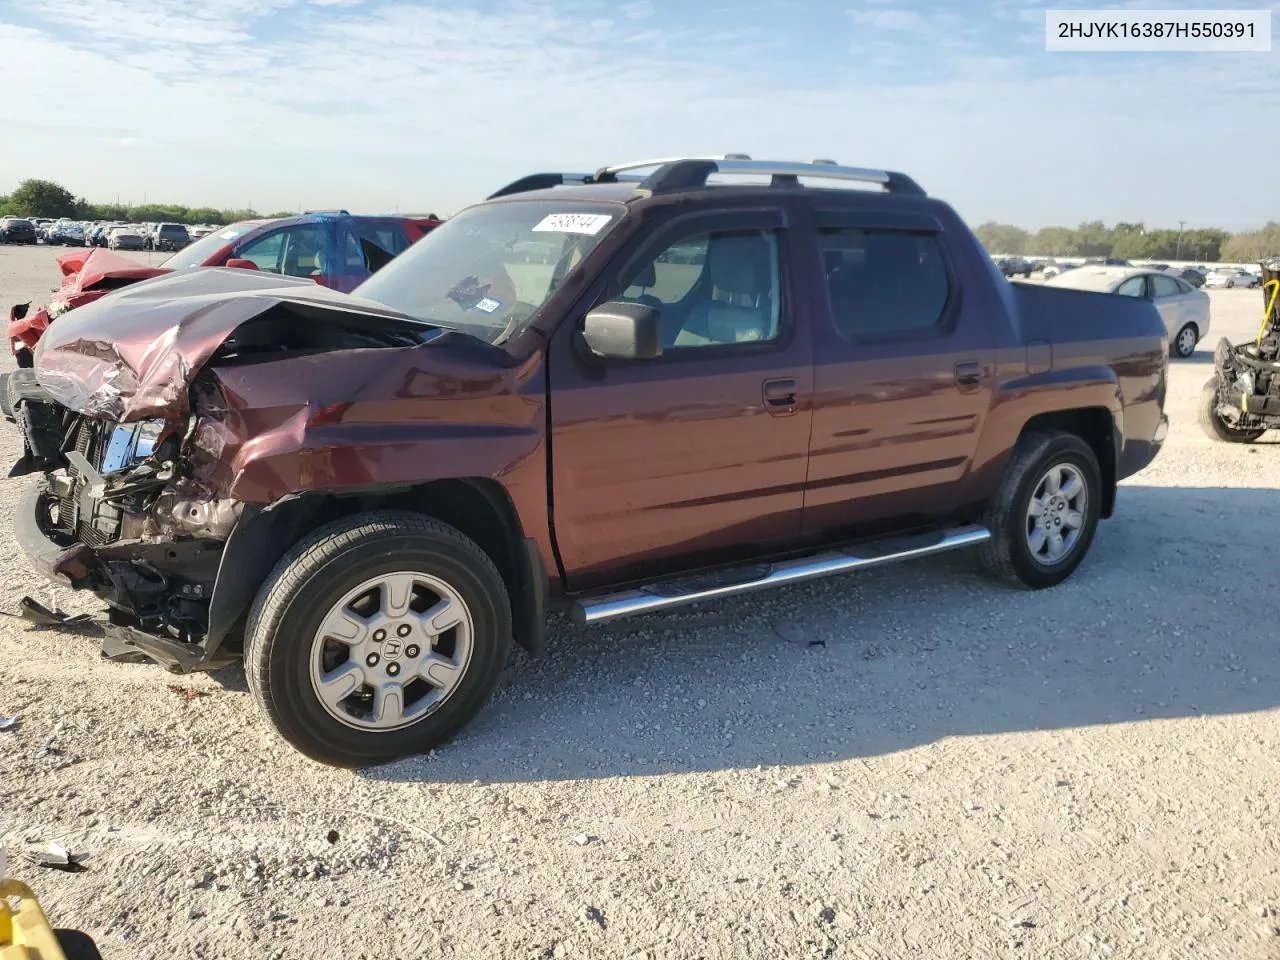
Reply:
x=112 y=513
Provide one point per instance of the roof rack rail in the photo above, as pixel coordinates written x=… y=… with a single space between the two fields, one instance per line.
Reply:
x=345 y=213
x=691 y=172
x=610 y=173
x=539 y=181
x=543 y=181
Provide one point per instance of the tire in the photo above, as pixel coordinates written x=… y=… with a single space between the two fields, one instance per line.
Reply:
x=1230 y=284
x=1213 y=425
x=1182 y=346
x=1008 y=554
x=314 y=578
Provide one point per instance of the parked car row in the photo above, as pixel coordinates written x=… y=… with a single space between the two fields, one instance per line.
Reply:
x=118 y=235
x=72 y=233
x=1197 y=275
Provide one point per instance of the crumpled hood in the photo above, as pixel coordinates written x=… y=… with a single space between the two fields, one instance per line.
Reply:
x=133 y=355
x=84 y=270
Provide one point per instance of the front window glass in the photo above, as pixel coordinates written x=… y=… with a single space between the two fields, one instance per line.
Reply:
x=712 y=289
x=491 y=267
x=197 y=253
x=264 y=253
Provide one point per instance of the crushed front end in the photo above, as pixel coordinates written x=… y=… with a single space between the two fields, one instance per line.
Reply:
x=114 y=513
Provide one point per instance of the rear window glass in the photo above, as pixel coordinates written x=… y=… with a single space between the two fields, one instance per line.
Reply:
x=884 y=283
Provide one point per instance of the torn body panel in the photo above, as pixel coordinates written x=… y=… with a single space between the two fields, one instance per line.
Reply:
x=86 y=276
x=183 y=456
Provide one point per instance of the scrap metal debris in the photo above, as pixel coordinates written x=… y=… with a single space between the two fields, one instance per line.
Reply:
x=58 y=857
x=35 y=612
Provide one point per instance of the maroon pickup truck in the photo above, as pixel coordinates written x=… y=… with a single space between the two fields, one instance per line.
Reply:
x=616 y=393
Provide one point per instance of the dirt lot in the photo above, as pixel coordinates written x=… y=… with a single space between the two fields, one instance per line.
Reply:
x=963 y=770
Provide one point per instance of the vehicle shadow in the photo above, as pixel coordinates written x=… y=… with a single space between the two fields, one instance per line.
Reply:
x=1200 y=357
x=1153 y=625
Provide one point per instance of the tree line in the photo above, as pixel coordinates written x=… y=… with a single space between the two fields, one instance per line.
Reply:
x=1132 y=241
x=44 y=198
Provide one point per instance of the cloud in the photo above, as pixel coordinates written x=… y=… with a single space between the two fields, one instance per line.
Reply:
x=637 y=9
x=366 y=106
x=888 y=19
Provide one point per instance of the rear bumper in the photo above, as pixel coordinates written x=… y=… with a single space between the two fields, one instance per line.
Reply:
x=1138 y=453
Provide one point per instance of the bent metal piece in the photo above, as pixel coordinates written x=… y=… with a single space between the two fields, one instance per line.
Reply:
x=857 y=557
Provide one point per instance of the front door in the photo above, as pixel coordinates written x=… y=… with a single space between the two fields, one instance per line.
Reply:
x=902 y=381
x=698 y=457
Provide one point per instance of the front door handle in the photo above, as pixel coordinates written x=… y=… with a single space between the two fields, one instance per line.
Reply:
x=968 y=375
x=780 y=396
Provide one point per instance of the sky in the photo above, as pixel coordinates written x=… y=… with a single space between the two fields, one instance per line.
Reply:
x=417 y=106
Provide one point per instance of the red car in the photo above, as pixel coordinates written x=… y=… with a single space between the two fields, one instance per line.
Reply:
x=336 y=250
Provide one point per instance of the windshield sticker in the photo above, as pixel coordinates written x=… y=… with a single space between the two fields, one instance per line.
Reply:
x=229 y=234
x=488 y=305
x=585 y=223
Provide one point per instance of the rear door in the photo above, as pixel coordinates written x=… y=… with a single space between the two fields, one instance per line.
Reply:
x=698 y=457
x=902 y=376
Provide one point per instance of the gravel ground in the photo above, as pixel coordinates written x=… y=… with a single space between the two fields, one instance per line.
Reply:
x=961 y=770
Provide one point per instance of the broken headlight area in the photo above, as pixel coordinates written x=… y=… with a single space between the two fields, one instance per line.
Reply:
x=120 y=514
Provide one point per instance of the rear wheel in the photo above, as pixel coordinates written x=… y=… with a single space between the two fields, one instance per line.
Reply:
x=1184 y=344
x=379 y=636
x=1045 y=514
x=1213 y=425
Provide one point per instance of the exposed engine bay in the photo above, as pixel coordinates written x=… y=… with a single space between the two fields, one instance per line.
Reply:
x=135 y=528
x=1247 y=401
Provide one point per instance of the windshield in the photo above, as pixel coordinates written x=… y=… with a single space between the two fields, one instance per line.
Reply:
x=491 y=267
x=195 y=254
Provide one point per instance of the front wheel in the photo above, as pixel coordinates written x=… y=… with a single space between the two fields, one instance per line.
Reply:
x=1214 y=427
x=1045 y=513
x=1184 y=344
x=377 y=637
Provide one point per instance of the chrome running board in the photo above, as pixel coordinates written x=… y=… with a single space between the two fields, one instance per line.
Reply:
x=675 y=593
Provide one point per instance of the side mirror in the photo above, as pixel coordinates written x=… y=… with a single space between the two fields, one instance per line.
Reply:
x=240 y=264
x=623 y=331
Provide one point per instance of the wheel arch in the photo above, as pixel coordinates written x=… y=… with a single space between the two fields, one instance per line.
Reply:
x=478 y=507
x=1097 y=427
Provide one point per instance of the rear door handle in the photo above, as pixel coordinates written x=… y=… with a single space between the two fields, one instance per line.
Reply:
x=779 y=396
x=968 y=374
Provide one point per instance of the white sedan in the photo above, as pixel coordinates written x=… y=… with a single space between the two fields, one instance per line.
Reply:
x=1231 y=277
x=1185 y=309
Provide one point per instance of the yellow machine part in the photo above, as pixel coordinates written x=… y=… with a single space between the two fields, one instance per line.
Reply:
x=25 y=933
x=1271 y=306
